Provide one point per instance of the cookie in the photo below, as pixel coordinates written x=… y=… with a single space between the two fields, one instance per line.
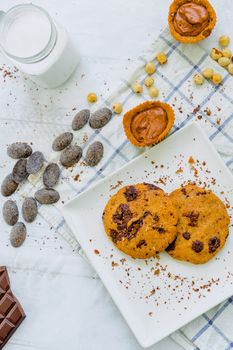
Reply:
x=202 y=227
x=140 y=220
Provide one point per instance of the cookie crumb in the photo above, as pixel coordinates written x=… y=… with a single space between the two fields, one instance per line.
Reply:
x=191 y=160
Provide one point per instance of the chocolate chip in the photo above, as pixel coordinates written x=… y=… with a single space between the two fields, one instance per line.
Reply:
x=156 y=218
x=122 y=215
x=183 y=190
x=29 y=209
x=161 y=229
x=201 y=193
x=100 y=118
x=35 y=162
x=152 y=186
x=186 y=235
x=214 y=244
x=62 y=141
x=197 y=246
x=8 y=186
x=131 y=193
x=193 y=216
x=171 y=246
x=18 y=234
x=10 y=212
x=141 y=243
x=94 y=153
x=80 y=119
x=51 y=175
x=19 y=150
x=114 y=235
x=134 y=228
x=126 y=232
x=19 y=171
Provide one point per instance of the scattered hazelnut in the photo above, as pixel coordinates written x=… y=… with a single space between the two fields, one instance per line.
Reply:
x=198 y=79
x=150 y=68
x=161 y=57
x=208 y=73
x=153 y=91
x=227 y=52
x=137 y=88
x=149 y=81
x=215 y=54
x=224 y=40
x=224 y=61
x=216 y=78
x=92 y=97
x=117 y=107
x=230 y=68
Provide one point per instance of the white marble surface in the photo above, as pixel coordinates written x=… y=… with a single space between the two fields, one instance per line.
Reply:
x=109 y=34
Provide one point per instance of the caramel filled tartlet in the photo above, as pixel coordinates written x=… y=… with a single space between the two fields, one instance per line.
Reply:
x=148 y=123
x=191 y=21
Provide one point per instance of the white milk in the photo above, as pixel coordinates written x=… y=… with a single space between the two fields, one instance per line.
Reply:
x=37 y=46
x=28 y=34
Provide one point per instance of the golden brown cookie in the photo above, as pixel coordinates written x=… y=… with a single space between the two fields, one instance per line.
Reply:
x=141 y=220
x=202 y=227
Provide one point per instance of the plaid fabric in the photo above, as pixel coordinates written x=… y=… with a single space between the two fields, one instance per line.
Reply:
x=209 y=105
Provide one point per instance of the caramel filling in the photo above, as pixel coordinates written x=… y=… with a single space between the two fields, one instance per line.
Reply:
x=148 y=125
x=191 y=19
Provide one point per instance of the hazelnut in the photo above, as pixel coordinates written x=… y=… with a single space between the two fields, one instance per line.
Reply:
x=224 y=61
x=216 y=78
x=153 y=91
x=198 y=79
x=227 y=52
x=150 y=68
x=215 y=54
x=224 y=40
x=208 y=73
x=117 y=107
x=161 y=57
x=92 y=97
x=149 y=81
x=137 y=88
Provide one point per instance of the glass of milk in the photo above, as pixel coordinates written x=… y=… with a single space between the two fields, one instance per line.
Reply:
x=37 y=45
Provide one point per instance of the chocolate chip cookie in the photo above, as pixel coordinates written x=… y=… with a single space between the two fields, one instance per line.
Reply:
x=202 y=227
x=140 y=220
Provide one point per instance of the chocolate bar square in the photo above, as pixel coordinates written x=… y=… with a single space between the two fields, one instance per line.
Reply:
x=11 y=312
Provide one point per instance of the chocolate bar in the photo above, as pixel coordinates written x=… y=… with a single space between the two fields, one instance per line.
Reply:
x=11 y=312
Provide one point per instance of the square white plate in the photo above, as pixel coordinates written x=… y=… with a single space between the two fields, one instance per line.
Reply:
x=160 y=295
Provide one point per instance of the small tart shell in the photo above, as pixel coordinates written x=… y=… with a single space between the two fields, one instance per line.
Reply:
x=191 y=39
x=142 y=108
